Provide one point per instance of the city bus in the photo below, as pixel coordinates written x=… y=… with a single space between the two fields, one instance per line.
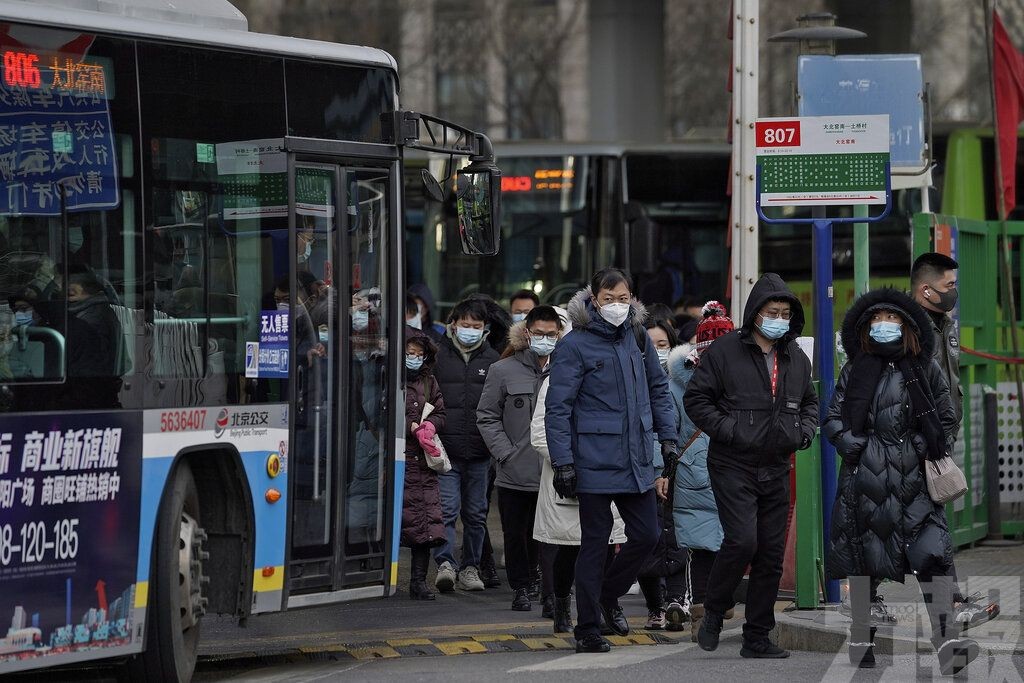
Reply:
x=201 y=325
x=661 y=211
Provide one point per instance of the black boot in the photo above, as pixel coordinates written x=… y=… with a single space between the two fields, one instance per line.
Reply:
x=563 y=614
x=548 y=607
x=862 y=654
x=418 y=580
x=489 y=573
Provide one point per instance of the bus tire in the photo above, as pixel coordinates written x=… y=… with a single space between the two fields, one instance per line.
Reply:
x=177 y=602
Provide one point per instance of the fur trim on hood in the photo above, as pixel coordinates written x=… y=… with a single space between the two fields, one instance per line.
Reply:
x=518 y=336
x=678 y=368
x=579 y=316
x=887 y=298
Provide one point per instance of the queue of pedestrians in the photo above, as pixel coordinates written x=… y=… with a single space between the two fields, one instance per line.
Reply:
x=627 y=446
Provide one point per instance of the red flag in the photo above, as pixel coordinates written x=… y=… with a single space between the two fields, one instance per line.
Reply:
x=1008 y=77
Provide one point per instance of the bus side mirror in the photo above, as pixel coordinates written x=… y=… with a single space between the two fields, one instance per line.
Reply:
x=478 y=203
x=643 y=239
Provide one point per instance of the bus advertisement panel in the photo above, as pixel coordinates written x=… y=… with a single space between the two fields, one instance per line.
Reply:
x=69 y=492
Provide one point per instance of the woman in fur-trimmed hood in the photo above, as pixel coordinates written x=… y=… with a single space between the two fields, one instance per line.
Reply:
x=890 y=412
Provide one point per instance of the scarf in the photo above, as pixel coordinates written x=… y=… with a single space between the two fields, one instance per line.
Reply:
x=465 y=352
x=860 y=390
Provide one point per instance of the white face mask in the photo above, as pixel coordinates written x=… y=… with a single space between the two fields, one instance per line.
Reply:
x=360 y=320
x=304 y=256
x=518 y=317
x=282 y=306
x=615 y=314
x=663 y=355
x=415 y=322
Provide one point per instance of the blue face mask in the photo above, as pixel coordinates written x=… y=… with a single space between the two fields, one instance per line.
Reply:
x=518 y=317
x=542 y=346
x=413 y=363
x=884 y=332
x=773 y=328
x=468 y=336
x=23 y=317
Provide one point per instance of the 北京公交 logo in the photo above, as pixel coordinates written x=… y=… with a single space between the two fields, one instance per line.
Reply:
x=221 y=424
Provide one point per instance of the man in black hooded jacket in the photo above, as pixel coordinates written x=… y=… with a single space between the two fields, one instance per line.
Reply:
x=752 y=395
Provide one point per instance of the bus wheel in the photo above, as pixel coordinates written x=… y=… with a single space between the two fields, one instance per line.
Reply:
x=178 y=604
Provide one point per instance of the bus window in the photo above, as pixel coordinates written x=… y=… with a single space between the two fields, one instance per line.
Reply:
x=684 y=195
x=216 y=228
x=69 y=247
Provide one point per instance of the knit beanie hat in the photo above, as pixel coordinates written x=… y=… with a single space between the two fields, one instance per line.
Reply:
x=713 y=324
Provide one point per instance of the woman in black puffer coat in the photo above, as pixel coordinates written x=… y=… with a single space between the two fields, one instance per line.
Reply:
x=891 y=410
x=422 y=524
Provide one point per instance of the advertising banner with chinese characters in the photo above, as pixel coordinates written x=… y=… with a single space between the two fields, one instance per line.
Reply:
x=822 y=160
x=56 y=142
x=69 y=534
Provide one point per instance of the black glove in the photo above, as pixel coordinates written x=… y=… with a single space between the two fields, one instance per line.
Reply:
x=565 y=481
x=670 y=456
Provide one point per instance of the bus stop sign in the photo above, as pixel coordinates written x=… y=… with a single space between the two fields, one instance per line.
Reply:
x=822 y=160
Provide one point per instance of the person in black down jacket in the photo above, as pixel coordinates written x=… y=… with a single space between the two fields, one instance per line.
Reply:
x=462 y=364
x=891 y=411
x=752 y=395
x=422 y=522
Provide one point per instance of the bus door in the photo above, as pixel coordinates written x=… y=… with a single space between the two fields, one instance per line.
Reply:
x=341 y=370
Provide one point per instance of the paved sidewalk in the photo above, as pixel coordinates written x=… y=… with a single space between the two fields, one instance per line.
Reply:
x=995 y=572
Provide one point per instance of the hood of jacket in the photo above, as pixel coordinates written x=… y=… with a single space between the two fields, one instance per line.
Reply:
x=678 y=369
x=886 y=298
x=422 y=291
x=518 y=336
x=769 y=287
x=583 y=315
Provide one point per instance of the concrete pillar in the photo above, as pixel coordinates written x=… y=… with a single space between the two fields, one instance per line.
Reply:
x=626 y=73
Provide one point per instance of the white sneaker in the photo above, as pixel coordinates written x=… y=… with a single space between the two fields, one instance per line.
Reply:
x=445 y=581
x=469 y=580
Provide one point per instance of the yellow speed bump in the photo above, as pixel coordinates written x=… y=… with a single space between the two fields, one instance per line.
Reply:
x=631 y=639
x=377 y=652
x=547 y=643
x=461 y=647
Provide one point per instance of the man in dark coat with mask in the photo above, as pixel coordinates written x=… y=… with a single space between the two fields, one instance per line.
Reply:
x=933 y=286
x=752 y=395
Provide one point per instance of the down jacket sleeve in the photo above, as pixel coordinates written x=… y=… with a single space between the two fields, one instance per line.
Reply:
x=489 y=414
x=943 y=402
x=847 y=445
x=565 y=379
x=703 y=394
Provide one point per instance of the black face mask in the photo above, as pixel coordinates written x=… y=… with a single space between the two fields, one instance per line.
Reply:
x=947 y=300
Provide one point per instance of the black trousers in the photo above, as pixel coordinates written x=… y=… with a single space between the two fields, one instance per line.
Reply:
x=517 y=510
x=563 y=568
x=753 y=511
x=698 y=568
x=595 y=585
x=487 y=550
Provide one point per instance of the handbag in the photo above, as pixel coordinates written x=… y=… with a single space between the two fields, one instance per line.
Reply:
x=438 y=463
x=944 y=479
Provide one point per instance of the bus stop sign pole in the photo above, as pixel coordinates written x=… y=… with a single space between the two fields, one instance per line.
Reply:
x=824 y=342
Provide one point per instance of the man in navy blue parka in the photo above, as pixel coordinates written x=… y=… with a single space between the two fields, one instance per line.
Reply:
x=608 y=395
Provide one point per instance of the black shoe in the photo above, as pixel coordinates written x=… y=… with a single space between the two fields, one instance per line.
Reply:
x=862 y=655
x=614 y=621
x=954 y=655
x=535 y=589
x=521 y=601
x=762 y=649
x=547 y=610
x=710 y=630
x=592 y=643
x=418 y=591
x=489 y=575
x=563 y=614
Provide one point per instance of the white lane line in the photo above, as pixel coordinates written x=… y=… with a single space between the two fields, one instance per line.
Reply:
x=618 y=657
x=303 y=674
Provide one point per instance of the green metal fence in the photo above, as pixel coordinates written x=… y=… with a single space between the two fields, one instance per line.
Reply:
x=975 y=244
